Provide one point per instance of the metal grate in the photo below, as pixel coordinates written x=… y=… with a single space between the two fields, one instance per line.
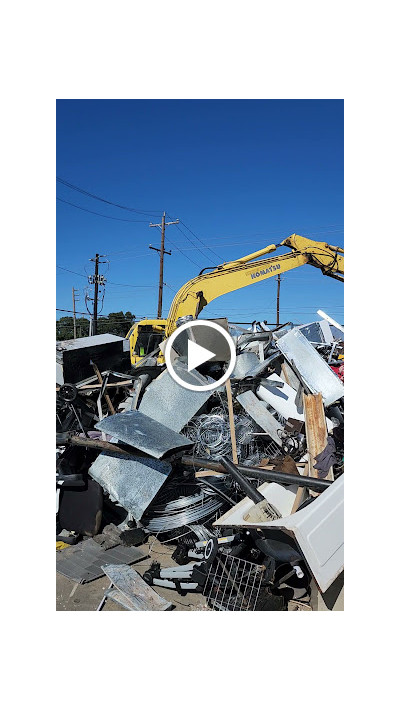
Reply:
x=233 y=584
x=272 y=450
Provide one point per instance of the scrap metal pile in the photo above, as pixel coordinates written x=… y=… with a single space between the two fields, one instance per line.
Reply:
x=244 y=483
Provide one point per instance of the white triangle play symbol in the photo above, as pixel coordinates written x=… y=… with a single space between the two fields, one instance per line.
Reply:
x=197 y=355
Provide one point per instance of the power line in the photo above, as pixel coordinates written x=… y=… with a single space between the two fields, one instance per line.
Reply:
x=201 y=241
x=108 y=202
x=71 y=312
x=195 y=246
x=71 y=272
x=133 y=286
x=114 y=283
x=109 y=217
x=185 y=255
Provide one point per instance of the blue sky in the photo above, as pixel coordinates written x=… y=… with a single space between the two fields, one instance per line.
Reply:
x=239 y=174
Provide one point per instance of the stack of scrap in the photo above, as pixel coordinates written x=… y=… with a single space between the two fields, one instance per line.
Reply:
x=247 y=480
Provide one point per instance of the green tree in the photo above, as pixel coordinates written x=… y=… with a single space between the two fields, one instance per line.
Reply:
x=65 y=328
x=116 y=322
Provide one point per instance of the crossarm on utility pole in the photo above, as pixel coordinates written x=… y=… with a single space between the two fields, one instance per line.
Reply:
x=161 y=252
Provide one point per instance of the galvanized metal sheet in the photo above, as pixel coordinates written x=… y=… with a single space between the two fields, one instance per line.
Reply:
x=143 y=432
x=314 y=371
x=245 y=362
x=87 y=341
x=258 y=411
x=283 y=400
x=83 y=562
x=169 y=403
x=131 y=481
x=134 y=589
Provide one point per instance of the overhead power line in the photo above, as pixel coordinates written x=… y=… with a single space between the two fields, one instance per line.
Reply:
x=108 y=202
x=68 y=311
x=201 y=241
x=71 y=272
x=115 y=283
x=99 y=214
x=179 y=250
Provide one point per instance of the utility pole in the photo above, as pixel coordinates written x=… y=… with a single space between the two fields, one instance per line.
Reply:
x=96 y=280
x=96 y=292
x=74 y=297
x=277 y=299
x=161 y=252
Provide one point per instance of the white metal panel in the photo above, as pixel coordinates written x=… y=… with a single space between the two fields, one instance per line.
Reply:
x=318 y=529
x=312 y=369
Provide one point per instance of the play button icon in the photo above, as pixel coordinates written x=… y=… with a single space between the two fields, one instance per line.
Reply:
x=194 y=344
x=197 y=355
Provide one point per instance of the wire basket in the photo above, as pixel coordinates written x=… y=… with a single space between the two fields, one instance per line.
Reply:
x=233 y=584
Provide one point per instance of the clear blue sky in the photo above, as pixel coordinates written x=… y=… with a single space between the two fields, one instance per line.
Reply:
x=239 y=174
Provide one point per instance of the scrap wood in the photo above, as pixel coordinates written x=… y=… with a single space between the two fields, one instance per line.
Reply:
x=106 y=395
x=231 y=420
x=300 y=492
x=316 y=432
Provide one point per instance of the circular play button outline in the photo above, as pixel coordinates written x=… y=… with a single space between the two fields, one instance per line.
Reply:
x=222 y=332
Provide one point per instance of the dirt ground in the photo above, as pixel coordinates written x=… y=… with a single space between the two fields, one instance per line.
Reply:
x=75 y=597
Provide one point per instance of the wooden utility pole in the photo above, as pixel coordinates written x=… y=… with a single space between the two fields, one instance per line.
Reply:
x=97 y=279
x=277 y=299
x=73 y=308
x=161 y=252
x=96 y=293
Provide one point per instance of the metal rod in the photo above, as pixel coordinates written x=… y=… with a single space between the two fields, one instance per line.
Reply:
x=244 y=484
x=257 y=473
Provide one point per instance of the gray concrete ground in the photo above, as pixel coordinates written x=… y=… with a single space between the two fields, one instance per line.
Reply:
x=74 y=597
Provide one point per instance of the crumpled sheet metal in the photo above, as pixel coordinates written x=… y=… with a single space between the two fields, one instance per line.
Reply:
x=137 y=595
x=258 y=411
x=314 y=371
x=171 y=404
x=143 y=432
x=132 y=482
x=244 y=363
x=283 y=400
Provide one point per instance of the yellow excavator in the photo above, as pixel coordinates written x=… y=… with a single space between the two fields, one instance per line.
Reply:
x=145 y=336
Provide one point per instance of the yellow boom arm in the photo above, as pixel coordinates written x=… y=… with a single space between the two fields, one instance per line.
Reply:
x=193 y=296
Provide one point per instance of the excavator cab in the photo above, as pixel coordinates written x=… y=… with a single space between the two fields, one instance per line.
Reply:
x=145 y=337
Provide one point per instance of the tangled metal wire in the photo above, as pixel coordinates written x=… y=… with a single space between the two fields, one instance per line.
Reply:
x=176 y=505
x=211 y=436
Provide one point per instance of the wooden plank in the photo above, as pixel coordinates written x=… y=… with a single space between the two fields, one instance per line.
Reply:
x=106 y=396
x=207 y=472
x=231 y=420
x=300 y=492
x=316 y=432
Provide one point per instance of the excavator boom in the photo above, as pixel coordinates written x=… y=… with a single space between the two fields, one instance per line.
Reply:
x=193 y=296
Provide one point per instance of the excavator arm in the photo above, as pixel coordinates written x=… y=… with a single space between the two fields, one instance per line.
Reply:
x=193 y=296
